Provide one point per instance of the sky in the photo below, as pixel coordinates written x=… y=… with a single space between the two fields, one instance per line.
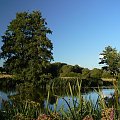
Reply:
x=81 y=28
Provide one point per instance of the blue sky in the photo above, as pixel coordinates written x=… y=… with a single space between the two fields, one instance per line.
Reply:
x=81 y=28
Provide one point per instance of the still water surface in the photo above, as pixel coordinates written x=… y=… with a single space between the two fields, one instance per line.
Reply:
x=92 y=95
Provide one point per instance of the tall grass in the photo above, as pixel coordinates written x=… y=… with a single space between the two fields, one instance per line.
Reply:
x=80 y=108
x=21 y=110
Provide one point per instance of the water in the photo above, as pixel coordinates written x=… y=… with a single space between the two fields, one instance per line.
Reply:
x=4 y=95
x=41 y=97
x=94 y=95
x=90 y=95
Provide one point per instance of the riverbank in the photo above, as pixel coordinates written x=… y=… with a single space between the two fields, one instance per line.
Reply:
x=7 y=80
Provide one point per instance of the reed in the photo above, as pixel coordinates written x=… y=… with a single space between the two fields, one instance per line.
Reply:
x=21 y=110
x=80 y=108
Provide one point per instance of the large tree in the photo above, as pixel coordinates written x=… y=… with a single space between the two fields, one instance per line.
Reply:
x=110 y=58
x=26 y=48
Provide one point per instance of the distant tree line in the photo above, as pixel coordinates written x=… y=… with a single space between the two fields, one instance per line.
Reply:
x=58 y=69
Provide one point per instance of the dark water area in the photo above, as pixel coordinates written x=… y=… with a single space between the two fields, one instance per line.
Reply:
x=5 y=93
x=55 y=96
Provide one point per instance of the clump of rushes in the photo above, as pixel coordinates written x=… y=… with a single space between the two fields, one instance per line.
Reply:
x=21 y=110
x=80 y=109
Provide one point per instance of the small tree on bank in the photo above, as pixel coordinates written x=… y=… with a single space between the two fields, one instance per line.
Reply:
x=111 y=60
x=26 y=48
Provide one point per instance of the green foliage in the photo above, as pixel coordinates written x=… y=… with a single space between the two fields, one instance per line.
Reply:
x=86 y=73
x=2 y=70
x=66 y=69
x=106 y=74
x=55 y=69
x=77 y=69
x=70 y=71
x=111 y=60
x=8 y=82
x=26 y=47
x=21 y=110
x=118 y=76
x=70 y=74
x=96 y=73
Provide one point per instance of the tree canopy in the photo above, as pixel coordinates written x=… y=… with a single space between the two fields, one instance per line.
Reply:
x=111 y=60
x=96 y=73
x=26 y=48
